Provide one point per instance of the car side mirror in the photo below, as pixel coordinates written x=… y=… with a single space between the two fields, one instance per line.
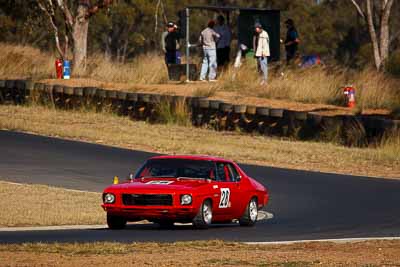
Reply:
x=238 y=178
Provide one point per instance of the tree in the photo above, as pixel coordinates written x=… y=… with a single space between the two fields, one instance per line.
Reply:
x=377 y=17
x=20 y=23
x=76 y=24
x=125 y=30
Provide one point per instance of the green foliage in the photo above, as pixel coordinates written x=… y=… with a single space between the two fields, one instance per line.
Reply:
x=176 y=113
x=128 y=28
x=6 y=26
x=393 y=64
x=22 y=22
x=365 y=56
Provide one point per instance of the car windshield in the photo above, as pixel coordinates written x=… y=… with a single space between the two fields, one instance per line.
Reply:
x=185 y=168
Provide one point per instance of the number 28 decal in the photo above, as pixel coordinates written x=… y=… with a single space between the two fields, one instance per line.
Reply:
x=224 y=201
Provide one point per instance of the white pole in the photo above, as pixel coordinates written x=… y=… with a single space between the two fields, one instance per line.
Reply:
x=187 y=45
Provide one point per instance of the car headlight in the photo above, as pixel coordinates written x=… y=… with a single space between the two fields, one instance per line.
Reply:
x=186 y=199
x=109 y=198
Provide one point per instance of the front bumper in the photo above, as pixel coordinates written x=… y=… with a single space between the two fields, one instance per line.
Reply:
x=152 y=213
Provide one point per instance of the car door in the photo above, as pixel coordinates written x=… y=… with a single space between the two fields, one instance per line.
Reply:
x=239 y=197
x=227 y=191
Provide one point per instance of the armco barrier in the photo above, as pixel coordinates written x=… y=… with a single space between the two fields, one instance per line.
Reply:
x=216 y=114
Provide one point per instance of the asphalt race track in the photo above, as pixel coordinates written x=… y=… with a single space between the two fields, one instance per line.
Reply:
x=306 y=205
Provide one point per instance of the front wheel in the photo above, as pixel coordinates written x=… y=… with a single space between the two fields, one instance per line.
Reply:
x=115 y=222
x=203 y=218
x=249 y=217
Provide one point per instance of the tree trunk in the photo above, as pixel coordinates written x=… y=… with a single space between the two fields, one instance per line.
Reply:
x=118 y=54
x=378 y=27
x=124 y=51
x=373 y=35
x=79 y=35
x=385 y=39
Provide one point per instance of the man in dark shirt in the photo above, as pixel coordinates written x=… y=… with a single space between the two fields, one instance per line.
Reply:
x=292 y=40
x=170 y=44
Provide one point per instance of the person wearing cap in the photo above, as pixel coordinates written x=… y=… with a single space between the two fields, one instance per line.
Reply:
x=208 y=40
x=224 y=43
x=261 y=48
x=292 y=41
x=170 y=44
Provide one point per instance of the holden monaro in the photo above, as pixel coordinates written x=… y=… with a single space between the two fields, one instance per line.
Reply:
x=187 y=189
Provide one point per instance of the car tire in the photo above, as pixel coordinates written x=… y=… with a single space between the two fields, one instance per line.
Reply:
x=249 y=217
x=203 y=218
x=116 y=222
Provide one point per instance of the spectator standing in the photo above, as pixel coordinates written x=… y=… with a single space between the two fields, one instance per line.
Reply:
x=292 y=41
x=224 y=43
x=170 y=44
x=261 y=49
x=208 y=39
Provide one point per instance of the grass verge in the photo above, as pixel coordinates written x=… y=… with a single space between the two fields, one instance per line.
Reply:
x=117 y=131
x=210 y=253
x=176 y=113
x=40 y=205
x=318 y=85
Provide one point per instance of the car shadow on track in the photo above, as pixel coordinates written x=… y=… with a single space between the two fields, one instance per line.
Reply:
x=147 y=226
x=179 y=227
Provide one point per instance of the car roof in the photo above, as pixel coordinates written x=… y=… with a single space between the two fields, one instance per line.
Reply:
x=192 y=157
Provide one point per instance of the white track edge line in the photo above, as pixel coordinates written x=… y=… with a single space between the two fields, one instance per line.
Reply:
x=271 y=243
x=53 y=228
x=337 y=240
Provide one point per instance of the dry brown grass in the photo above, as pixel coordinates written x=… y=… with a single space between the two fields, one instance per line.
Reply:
x=24 y=61
x=376 y=90
x=208 y=91
x=40 y=205
x=390 y=146
x=205 y=253
x=176 y=114
x=145 y=69
x=122 y=132
x=314 y=85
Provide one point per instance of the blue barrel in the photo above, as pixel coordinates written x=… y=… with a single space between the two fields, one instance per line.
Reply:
x=67 y=69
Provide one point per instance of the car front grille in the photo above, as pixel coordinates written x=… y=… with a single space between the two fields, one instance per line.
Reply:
x=146 y=200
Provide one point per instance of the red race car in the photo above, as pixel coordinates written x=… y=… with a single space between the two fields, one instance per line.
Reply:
x=186 y=189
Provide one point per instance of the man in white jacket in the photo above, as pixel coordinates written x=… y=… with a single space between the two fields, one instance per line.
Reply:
x=261 y=48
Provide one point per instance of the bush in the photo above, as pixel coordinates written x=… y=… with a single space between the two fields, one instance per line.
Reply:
x=19 y=61
x=390 y=145
x=173 y=113
x=392 y=65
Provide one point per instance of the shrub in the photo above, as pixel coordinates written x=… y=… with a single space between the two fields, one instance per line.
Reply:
x=173 y=113
x=392 y=65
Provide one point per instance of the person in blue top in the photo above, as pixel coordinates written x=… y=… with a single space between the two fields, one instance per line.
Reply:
x=292 y=41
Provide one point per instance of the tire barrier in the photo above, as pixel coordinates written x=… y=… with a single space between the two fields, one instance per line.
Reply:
x=213 y=114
